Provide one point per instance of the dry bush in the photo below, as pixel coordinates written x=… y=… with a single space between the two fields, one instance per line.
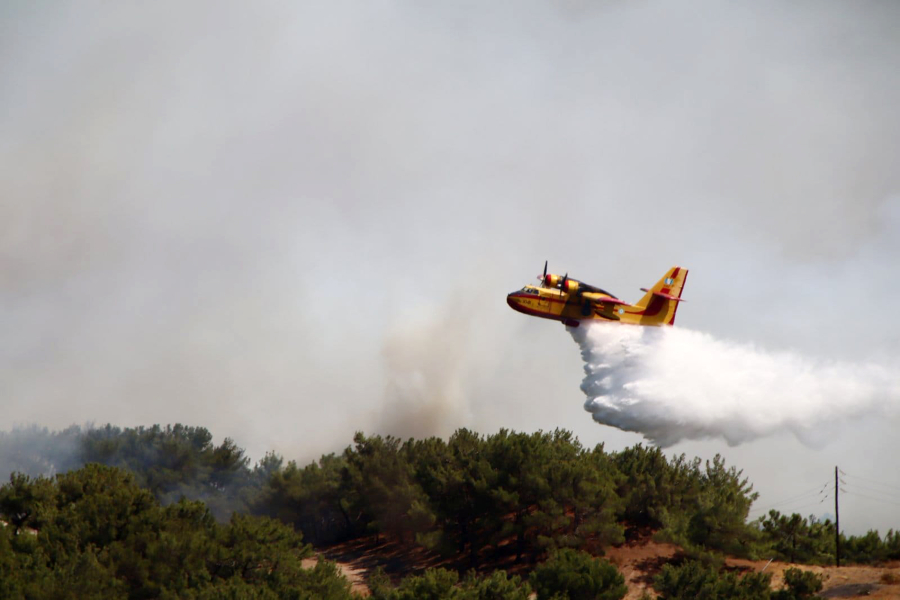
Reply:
x=890 y=578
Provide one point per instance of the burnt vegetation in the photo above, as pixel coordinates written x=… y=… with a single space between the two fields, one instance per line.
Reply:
x=164 y=512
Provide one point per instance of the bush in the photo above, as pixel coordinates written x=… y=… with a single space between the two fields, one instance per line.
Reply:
x=498 y=586
x=99 y=535
x=441 y=584
x=890 y=578
x=577 y=576
x=692 y=580
x=799 y=585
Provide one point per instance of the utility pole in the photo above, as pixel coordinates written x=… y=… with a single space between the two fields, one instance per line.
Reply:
x=837 y=521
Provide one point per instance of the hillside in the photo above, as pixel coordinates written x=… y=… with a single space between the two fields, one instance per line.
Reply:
x=639 y=560
x=168 y=512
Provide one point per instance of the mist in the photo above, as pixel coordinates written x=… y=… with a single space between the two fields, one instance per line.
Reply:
x=674 y=384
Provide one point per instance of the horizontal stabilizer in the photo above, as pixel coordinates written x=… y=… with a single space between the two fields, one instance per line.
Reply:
x=661 y=295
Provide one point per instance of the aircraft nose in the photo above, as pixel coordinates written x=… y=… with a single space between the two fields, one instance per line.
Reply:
x=511 y=300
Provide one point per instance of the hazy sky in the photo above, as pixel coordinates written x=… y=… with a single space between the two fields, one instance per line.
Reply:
x=291 y=221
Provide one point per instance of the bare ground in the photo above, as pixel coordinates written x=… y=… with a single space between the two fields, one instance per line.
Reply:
x=639 y=559
x=355 y=575
x=854 y=581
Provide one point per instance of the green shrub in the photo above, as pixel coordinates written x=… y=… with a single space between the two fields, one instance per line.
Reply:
x=693 y=580
x=799 y=585
x=577 y=576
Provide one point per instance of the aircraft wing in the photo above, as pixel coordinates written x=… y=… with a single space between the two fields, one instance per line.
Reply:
x=602 y=299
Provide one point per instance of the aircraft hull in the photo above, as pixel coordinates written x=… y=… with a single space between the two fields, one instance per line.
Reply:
x=657 y=307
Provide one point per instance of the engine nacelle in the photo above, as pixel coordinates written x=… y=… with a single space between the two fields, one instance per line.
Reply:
x=561 y=282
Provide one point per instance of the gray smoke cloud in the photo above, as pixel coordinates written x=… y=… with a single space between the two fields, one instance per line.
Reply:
x=672 y=384
x=425 y=360
x=260 y=219
x=36 y=451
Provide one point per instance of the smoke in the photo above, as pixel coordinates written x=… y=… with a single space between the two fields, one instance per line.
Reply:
x=425 y=362
x=37 y=451
x=219 y=219
x=674 y=384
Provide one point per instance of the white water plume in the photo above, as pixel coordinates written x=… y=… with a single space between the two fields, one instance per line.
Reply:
x=672 y=384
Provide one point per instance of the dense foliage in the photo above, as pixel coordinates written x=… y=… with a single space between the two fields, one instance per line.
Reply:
x=810 y=541
x=871 y=547
x=442 y=584
x=171 y=462
x=38 y=451
x=542 y=491
x=577 y=576
x=797 y=539
x=701 y=506
x=94 y=533
x=693 y=580
x=470 y=497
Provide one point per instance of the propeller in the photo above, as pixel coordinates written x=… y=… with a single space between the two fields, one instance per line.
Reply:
x=543 y=278
x=562 y=284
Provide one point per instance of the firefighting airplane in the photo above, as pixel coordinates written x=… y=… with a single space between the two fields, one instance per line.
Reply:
x=571 y=301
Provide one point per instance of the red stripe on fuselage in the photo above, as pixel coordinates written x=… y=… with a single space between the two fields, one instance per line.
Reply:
x=532 y=296
x=653 y=309
x=530 y=311
x=544 y=315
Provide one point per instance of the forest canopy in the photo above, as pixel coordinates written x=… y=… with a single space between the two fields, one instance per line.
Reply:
x=165 y=512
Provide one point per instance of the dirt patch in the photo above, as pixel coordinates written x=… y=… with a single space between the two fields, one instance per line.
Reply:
x=855 y=581
x=850 y=590
x=355 y=575
x=639 y=559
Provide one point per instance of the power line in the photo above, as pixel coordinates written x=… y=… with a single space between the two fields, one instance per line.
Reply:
x=875 y=491
x=857 y=494
x=803 y=495
x=820 y=494
x=790 y=500
x=808 y=505
x=894 y=487
x=816 y=490
x=796 y=509
x=799 y=508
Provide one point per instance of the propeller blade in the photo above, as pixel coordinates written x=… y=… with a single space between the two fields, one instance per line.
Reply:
x=543 y=278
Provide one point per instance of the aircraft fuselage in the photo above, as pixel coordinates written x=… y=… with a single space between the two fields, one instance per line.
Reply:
x=587 y=303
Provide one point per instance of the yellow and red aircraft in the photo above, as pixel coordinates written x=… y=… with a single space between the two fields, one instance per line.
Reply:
x=571 y=301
